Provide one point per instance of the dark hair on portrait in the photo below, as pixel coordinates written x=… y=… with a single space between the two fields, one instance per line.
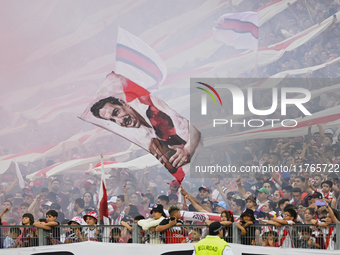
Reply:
x=100 y=104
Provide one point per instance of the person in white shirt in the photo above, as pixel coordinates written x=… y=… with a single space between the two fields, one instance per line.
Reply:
x=262 y=198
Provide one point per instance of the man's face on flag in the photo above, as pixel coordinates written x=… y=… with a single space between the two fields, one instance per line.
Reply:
x=123 y=114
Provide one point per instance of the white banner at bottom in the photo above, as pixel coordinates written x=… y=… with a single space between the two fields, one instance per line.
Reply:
x=90 y=248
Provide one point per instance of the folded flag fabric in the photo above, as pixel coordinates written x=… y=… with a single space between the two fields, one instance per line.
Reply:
x=239 y=30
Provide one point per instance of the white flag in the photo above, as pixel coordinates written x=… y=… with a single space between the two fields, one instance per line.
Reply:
x=19 y=175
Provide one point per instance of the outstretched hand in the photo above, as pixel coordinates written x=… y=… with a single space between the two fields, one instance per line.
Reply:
x=180 y=158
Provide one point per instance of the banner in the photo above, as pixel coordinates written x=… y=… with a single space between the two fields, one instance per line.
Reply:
x=126 y=109
x=90 y=248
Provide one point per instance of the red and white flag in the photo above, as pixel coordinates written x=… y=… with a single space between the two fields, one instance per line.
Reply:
x=137 y=61
x=239 y=30
x=102 y=206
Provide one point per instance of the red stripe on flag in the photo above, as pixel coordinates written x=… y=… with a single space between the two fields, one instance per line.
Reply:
x=84 y=138
x=139 y=60
x=133 y=90
x=240 y=26
x=45 y=170
x=103 y=210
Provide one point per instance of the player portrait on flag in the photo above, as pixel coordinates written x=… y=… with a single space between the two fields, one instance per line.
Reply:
x=127 y=109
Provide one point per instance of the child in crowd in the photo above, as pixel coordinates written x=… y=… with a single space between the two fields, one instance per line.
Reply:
x=50 y=224
x=75 y=235
x=92 y=233
x=307 y=241
x=29 y=237
x=284 y=225
x=247 y=232
x=127 y=231
x=270 y=239
x=116 y=236
x=9 y=241
x=158 y=215
x=195 y=236
x=326 y=187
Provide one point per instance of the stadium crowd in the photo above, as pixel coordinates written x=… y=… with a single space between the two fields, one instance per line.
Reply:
x=281 y=200
x=265 y=206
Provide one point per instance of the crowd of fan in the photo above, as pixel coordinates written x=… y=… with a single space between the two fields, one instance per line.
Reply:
x=281 y=200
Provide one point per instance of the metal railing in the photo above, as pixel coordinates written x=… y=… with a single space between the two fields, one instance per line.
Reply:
x=296 y=236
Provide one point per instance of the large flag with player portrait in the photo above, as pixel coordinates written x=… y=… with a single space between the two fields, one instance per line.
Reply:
x=127 y=109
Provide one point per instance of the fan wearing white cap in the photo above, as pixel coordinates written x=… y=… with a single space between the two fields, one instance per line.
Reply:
x=76 y=234
x=92 y=233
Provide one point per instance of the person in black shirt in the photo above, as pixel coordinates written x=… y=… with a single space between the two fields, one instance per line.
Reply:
x=247 y=232
x=170 y=227
x=50 y=224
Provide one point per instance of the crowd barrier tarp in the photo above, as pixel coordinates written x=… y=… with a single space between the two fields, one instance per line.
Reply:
x=90 y=248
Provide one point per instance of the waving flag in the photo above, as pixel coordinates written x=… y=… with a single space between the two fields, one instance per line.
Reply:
x=19 y=176
x=102 y=208
x=127 y=109
x=103 y=211
x=137 y=61
x=239 y=30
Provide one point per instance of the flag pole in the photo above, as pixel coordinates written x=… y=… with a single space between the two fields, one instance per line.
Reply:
x=101 y=184
x=257 y=46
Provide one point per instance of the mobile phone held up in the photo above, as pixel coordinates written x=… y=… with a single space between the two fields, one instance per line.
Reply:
x=320 y=203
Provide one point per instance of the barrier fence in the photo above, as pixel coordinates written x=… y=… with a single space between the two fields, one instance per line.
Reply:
x=295 y=236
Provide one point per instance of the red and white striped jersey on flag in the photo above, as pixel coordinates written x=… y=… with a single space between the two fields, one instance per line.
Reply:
x=138 y=61
x=239 y=30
